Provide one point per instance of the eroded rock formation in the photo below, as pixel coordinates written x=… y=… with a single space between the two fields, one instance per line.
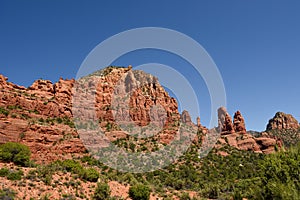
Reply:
x=282 y=121
x=235 y=134
x=40 y=116
x=239 y=123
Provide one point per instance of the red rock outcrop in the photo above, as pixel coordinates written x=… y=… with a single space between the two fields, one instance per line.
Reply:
x=239 y=123
x=221 y=117
x=40 y=116
x=198 y=122
x=186 y=118
x=125 y=96
x=235 y=134
x=282 y=121
x=227 y=127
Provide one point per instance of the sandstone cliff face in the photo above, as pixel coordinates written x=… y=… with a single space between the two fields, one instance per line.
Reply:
x=130 y=98
x=282 y=121
x=40 y=116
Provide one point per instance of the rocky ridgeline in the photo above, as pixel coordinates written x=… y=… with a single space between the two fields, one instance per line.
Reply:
x=283 y=127
x=40 y=116
x=148 y=102
x=282 y=121
x=233 y=133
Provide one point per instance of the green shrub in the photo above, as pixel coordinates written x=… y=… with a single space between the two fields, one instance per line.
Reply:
x=68 y=197
x=139 y=192
x=185 y=196
x=72 y=166
x=4 y=172
x=280 y=179
x=15 y=175
x=102 y=192
x=11 y=174
x=90 y=174
x=4 y=111
x=15 y=152
x=7 y=194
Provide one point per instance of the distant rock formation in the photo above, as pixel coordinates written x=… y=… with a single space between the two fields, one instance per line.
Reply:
x=198 y=123
x=282 y=121
x=234 y=133
x=239 y=123
x=186 y=118
x=284 y=128
x=221 y=117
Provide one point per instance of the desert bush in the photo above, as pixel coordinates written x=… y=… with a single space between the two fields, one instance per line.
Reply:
x=7 y=194
x=139 y=192
x=15 y=175
x=102 y=192
x=11 y=174
x=90 y=174
x=15 y=152
x=4 y=172
x=185 y=196
x=72 y=166
x=4 y=111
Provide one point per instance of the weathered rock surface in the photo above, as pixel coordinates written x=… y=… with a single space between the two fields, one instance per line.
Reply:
x=239 y=123
x=235 y=134
x=282 y=121
x=227 y=127
x=186 y=118
x=222 y=111
x=40 y=116
x=126 y=97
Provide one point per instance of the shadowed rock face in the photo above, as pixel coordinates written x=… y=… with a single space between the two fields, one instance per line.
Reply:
x=221 y=117
x=225 y=122
x=282 y=121
x=185 y=117
x=227 y=127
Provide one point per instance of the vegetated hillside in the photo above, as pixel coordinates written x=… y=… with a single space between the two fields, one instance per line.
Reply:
x=58 y=166
x=239 y=174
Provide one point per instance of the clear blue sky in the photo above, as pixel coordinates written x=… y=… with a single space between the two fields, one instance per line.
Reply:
x=255 y=44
